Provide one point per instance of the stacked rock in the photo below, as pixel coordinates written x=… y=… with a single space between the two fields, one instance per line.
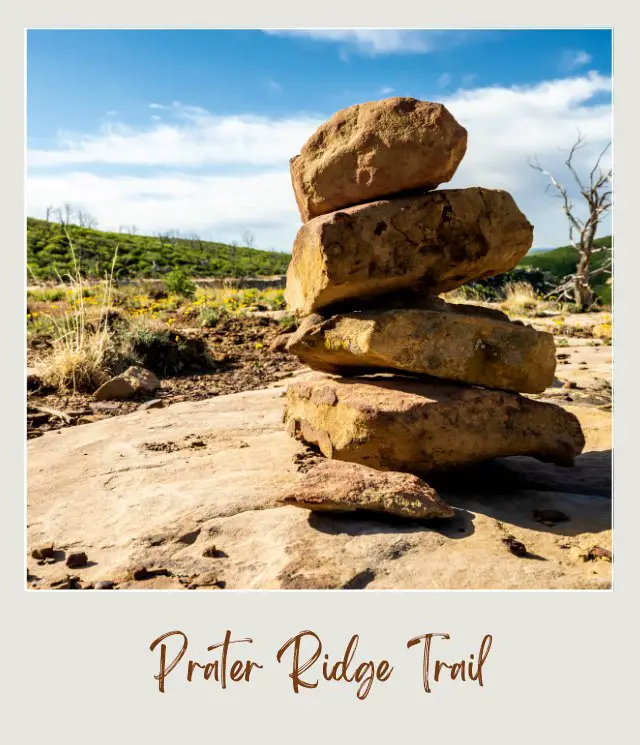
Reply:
x=377 y=247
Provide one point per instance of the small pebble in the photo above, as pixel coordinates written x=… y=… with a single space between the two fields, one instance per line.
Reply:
x=76 y=560
x=156 y=403
x=104 y=585
x=597 y=552
x=516 y=547
x=43 y=552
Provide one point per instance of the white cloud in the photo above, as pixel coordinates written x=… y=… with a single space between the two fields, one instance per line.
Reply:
x=196 y=138
x=370 y=42
x=156 y=106
x=507 y=126
x=250 y=187
x=572 y=59
x=217 y=207
x=385 y=91
x=469 y=79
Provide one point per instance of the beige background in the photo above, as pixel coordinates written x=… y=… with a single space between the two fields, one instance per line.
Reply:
x=77 y=666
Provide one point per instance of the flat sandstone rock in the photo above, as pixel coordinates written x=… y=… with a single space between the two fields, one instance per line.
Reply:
x=373 y=150
x=336 y=486
x=102 y=488
x=398 y=424
x=450 y=344
x=432 y=243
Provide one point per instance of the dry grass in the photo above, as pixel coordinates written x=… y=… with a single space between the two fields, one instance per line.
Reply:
x=521 y=298
x=80 y=347
x=454 y=296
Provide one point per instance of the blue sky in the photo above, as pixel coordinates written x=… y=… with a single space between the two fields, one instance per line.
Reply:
x=192 y=130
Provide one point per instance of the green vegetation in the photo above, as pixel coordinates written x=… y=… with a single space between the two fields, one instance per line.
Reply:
x=162 y=351
x=178 y=283
x=563 y=261
x=177 y=259
x=140 y=256
x=93 y=332
x=543 y=271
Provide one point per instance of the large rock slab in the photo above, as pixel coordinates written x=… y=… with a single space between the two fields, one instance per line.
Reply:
x=373 y=150
x=433 y=243
x=399 y=424
x=336 y=486
x=461 y=346
x=129 y=491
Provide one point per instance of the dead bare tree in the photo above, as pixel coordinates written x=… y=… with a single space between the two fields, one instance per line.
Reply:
x=248 y=238
x=86 y=220
x=582 y=232
x=197 y=244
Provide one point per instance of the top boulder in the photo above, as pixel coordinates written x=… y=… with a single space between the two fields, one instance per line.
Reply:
x=375 y=150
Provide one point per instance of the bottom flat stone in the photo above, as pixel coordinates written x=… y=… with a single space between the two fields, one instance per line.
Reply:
x=398 y=424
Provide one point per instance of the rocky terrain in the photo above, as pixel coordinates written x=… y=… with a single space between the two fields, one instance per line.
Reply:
x=241 y=361
x=190 y=494
x=432 y=444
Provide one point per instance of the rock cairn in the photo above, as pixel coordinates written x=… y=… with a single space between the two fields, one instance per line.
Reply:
x=377 y=247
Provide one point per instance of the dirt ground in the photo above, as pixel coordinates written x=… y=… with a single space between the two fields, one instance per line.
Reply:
x=242 y=362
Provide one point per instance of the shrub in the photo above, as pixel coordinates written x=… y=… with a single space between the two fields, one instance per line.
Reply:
x=288 y=324
x=178 y=283
x=155 y=290
x=211 y=317
x=164 y=352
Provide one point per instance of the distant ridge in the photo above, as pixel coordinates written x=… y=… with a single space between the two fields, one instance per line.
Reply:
x=49 y=254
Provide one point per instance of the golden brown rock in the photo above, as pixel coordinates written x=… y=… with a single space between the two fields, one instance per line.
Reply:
x=431 y=243
x=335 y=486
x=134 y=380
x=398 y=424
x=450 y=343
x=373 y=150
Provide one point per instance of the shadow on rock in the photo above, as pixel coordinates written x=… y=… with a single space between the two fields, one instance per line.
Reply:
x=360 y=580
x=591 y=475
x=363 y=522
x=584 y=513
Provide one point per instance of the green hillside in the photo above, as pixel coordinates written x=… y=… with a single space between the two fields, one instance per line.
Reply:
x=563 y=261
x=48 y=254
